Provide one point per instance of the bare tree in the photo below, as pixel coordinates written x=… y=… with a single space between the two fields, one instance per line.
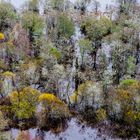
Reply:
x=96 y=6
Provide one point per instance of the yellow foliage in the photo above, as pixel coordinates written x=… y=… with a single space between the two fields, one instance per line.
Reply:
x=136 y=85
x=127 y=96
x=26 y=91
x=10 y=43
x=8 y=74
x=50 y=98
x=132 y=116
x=123 y=94
x=130 y=85
x=101 y=114
x=13 y=95
x=30 y=90
x=24 y=102
x=57 y=107
x=2 y=36
x=74 y=97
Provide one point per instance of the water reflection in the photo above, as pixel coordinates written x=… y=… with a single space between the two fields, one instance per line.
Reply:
x=75 y=131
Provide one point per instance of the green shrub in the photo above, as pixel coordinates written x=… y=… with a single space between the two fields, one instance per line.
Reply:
x=129 y=82
x=65 y=26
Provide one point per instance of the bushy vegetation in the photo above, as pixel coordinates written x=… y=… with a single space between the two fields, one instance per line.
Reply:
x=63 y=61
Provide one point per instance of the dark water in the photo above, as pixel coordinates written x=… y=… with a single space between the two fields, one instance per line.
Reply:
x=75 y=131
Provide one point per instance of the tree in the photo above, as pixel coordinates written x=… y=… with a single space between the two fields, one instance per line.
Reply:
x=118 y=60
x=58 y=5
x=126 y=6
x=33 y=23
x=65 y=26
x=8 y=16
x=19 y=38
x=96 y=5
x=7 y=79
x=33 y=6
x=82 y=5
x=24 y=102
x=85 y=45
x=125 y=105
x=88 y=94
x=131 y=66
x=52 y=109
x=95 y=30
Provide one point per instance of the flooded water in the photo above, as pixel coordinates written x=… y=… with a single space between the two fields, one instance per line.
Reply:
x=75 y=131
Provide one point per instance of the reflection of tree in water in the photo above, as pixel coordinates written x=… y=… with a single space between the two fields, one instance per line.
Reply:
x=40 y=135
x=58 y=125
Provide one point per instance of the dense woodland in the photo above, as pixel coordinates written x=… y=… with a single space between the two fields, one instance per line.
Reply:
x=58 y=61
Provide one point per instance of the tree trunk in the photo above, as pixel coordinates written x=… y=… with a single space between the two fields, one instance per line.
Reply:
x=137 y=54
x=94 y=60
